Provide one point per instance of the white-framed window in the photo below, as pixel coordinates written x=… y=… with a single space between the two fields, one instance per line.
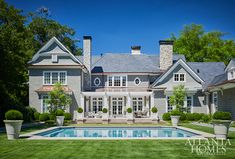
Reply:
x=52 y=77
x=117 y=81
x=189 y=101
x=137 y=103
x=137 y=81
x=215 y=100
x=44 y=105
x=97 y=81
x=179 y=77
x=54 y=58
x=97 y=104
x=169 y=107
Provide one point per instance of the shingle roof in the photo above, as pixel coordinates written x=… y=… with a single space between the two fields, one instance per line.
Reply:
x=126 y=62
x=219 y=79
x=207 y=70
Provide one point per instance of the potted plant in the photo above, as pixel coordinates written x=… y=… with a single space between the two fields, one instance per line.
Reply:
x=80 y=113
x=59 y=117
x=175 y=117
x=13 y=123
x=154 y=112
x=129 y=116
x=221 y=123
x=105 y=116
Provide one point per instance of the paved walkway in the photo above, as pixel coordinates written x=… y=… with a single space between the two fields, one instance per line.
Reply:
x=27 y=125
x=210 y=125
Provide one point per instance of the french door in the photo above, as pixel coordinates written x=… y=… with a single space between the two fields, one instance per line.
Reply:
x=117 y=106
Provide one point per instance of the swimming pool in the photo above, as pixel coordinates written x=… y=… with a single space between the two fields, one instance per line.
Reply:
x=117 y=132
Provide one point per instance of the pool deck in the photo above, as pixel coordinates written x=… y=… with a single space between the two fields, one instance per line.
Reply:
x=34 y=136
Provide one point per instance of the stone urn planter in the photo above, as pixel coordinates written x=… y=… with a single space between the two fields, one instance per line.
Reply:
x=80 y=116
x=59 y=117
x=105 y=117
x=175 y=117
x=13 y=123
x=129 y=116
x=154 y=115
x=221 y=123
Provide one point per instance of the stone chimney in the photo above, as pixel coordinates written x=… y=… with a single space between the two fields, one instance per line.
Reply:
x=166 y=54
x=135 y=50
x=87 y=52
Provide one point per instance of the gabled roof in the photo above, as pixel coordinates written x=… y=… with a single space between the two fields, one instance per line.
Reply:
x=126 y=62
x=54 y=46
x=231 y=64
x=185 y=66
x=207 y=70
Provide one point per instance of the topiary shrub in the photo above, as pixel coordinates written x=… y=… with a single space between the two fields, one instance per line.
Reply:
x=154 y=109
x=104 y=110
x=129 y=110
x=44 y=117
x=36 y=115
x=59 y=112
x=80 y=110
x=219 y=115
x=67 y=116
x=194 y=116
x=13 y=115
x=166 y=116
x=175 y=112
x=206 y=118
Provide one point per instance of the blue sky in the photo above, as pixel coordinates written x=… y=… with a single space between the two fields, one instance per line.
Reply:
x=116 y=25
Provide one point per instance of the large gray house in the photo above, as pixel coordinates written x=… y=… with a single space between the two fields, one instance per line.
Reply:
x=117 y=81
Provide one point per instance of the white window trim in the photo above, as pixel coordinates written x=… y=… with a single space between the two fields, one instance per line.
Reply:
x=179 y=77
x=213 y=101
x=113 y=80
x=138 y=79
x=97 y=78
x=65 y=83
x=54 y=58
x=191 y=110
x=42 y=96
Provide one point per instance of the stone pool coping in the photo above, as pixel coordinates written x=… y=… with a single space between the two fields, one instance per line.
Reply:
x=34 y=136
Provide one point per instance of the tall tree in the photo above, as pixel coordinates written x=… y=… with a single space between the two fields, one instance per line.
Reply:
x=198 y=45
x=44 y=28
x=15 y=50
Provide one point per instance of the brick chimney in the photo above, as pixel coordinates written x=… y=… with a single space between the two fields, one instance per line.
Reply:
x=87 y=52
x=135 y=50
x=166 y=54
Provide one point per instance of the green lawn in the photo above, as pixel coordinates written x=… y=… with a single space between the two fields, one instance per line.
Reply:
x=103 y=149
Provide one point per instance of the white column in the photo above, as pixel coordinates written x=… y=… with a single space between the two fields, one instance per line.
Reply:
x=152 y=102
x=128 y=105
x=81 y=115
x=147 y=104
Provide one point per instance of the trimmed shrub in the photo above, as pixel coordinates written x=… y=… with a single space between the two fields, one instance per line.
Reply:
x=182 y=116
x=166 y=116
x=154 y=109
x=194 y=116
x=104 y=110
x=219 y=115
x=205 y=118
x=59 y=112
x=29 y=114
x=129 y=110
x=67 y=116
x=176 y=112
x=13 y=115
x=36 y=115
x=50 y=122
x=44 y=117
x=52 y=116
x=67 y=121
x=80 y=110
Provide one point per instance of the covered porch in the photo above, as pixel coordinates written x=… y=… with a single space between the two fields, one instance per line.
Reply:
x=117 y=104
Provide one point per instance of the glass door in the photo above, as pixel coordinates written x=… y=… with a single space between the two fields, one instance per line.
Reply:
x=117 y=106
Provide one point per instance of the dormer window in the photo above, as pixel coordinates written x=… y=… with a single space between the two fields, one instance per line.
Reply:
x=231 y=74
x=179 y=77
x=117 y=81
x=54 y=58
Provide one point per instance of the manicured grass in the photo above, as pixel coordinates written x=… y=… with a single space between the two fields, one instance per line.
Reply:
x=103 y=148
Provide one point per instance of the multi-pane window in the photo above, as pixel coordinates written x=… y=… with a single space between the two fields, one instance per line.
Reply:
x=169 y=107
x=117 y=81
x=137 y=104
x=97 y=104
x=52 y=77
x=117 y=104
x=44 y=103
x=215 y=100
x=179 y=77
x=189 y=103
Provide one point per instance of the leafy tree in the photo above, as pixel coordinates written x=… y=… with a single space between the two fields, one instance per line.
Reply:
x=200 y=46
x=58 y=99
x=44 y=28
x=177 y=99
x=15 y=51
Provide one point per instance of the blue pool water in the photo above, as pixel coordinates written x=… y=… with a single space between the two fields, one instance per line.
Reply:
x=118 y=132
